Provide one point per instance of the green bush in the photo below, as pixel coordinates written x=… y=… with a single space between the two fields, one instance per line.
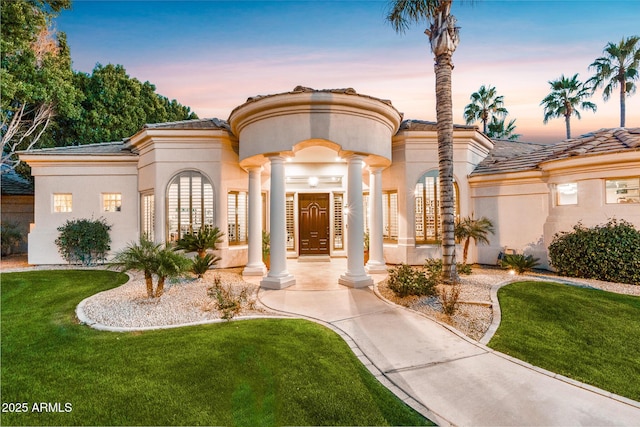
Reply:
x=11 y=237
x=434 y=266
x=84 y=241
x=405 y=280
x=227 y=301
x=606 y=252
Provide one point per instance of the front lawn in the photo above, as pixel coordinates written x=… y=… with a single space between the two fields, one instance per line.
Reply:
x=253 y=373
x=589 y=335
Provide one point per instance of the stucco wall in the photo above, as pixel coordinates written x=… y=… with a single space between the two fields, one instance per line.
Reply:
x=87 y=183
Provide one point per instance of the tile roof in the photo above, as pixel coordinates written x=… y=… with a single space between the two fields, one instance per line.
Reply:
x=13 y=184
x=213 y=123
x=103 y=148
x=510 y=156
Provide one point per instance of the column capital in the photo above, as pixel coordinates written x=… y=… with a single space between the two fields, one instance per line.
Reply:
x=376 y=169
x=254 y=169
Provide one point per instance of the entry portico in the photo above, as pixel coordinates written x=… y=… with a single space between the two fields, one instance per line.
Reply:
x=312 y=128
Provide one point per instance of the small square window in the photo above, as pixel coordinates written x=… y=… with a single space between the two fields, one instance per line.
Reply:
x=567 y=194
x=62 y=202
x=111 y=202
x=623 y=190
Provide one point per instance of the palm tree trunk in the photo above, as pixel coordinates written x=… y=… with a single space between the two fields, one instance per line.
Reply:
x=148 y=278
x=465 y=251
x=444 y=114
x=160 y=288
x=567 y=122
x=622 y=102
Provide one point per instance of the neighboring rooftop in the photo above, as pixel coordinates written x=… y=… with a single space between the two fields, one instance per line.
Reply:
x=13 y=184
x=508 y=156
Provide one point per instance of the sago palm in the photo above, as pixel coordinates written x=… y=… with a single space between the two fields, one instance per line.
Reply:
x=566 y=98
x=140 y=256
x=485 y=105
x=206 y=238
x=443 y=38
x=477 y=229
x=619 y=67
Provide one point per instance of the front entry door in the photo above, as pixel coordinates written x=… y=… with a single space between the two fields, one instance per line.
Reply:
x=314 y=223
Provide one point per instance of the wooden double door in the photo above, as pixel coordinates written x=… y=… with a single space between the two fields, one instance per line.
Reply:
x=313 y=218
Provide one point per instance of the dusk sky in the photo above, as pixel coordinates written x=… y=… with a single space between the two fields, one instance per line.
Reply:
x=213 y=55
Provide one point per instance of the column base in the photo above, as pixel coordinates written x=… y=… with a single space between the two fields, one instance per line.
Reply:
x=277 y=282
x=375 y=268
x=355 y=281
x=254 y=270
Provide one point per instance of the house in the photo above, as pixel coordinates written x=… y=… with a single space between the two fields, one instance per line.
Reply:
x=317 y=167
x=17 y=205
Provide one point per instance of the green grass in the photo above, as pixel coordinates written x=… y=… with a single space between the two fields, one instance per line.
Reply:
x=585 y=334
x=253 y=373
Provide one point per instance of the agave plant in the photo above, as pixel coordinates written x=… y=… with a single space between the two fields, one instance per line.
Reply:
x=520 y=263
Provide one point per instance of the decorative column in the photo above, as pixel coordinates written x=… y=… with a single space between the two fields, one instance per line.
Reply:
x=278 y=277
x=355 y=277
x=376 y=257
x=255 y=266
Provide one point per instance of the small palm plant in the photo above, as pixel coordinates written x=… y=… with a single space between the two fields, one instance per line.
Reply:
x=520 y=263
x=152 y=259
x=471 y=228
x=206 y=238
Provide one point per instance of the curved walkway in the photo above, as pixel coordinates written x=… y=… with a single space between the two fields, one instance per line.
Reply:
x=448 y=377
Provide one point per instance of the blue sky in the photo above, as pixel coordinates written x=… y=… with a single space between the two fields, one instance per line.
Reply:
x=212 y=55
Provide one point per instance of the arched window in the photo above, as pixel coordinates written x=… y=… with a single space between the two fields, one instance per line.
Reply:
x=427 y=198
x=189 y=204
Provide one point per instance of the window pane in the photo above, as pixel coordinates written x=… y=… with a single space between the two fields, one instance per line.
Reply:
x=242 y=217
x=290 y=222
x=338 y=217
x=148 y=216
x=189 y=204
x=623 y=190
x=427 y=208
x=62 y=202
x=567 y=194
x=393 y=216
x=111 y=202
x=232 y=218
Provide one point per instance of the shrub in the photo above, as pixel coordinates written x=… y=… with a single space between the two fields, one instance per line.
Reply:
x=520 y=263
x=606 y=252
x=84 y=241
x=205 y=238
x=200 y=266
x=226 y=300
x=449 y=297
x=434 y=267
x=405 y=280
x=11 y=237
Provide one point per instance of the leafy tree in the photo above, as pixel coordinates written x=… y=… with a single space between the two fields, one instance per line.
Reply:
x=443 y=38
x=36 y=79
x=498 y=130
x=152 y=259
x=115 y=106
x=476 y=229
x=618 y=68
x=566 y=97
x=485 y=106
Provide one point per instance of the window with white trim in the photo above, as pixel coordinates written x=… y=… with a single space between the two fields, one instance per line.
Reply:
x=62 y=202
x=237 y=217
x=338 y=221
x=111 y=202
x=189 y=204
x=623 y=190
x=567 y=194
x=428 y=225
x=148 y=216
x=390 y=216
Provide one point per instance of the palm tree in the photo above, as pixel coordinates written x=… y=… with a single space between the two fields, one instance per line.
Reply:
x=564 y=100
x=619 y=67
x=443 y=38
x=151 y=258
x=497 y=129
x=485 y=105
x=476 y=229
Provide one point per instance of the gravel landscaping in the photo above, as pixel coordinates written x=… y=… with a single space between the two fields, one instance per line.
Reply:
x=187 y=300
